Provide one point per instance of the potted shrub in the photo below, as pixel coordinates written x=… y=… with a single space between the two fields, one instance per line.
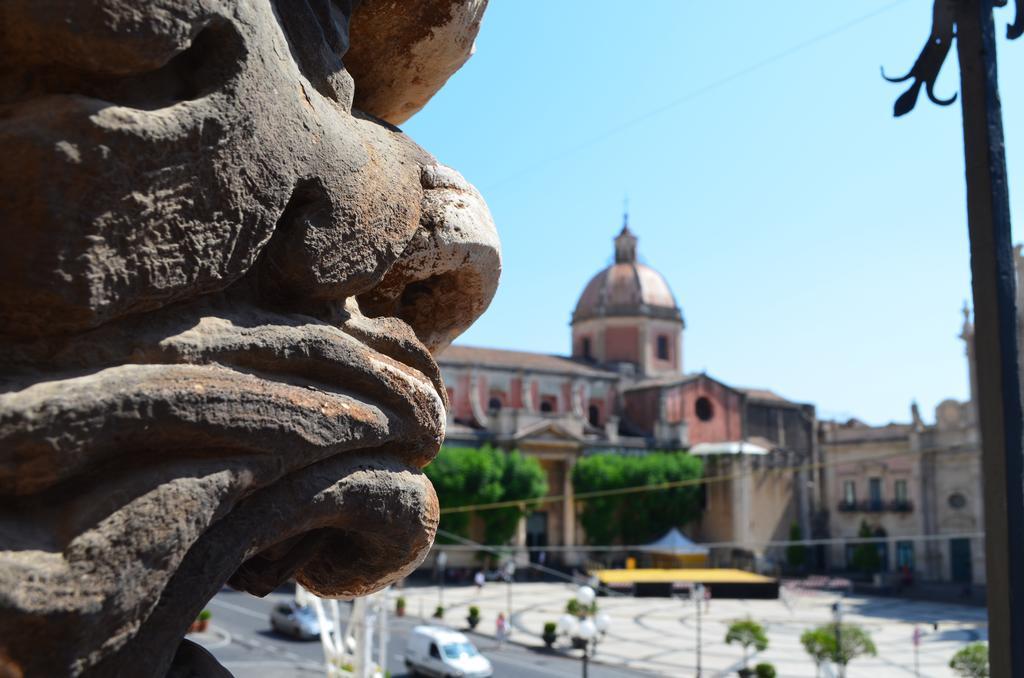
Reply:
x=400 y=606
x=764 y=670
x=474 y=616
x=550 y=634
x=747 y=633
x=439 y=612
x=202 y=622
x=574 y=608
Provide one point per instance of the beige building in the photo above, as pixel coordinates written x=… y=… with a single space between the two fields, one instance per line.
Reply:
x=916 y=485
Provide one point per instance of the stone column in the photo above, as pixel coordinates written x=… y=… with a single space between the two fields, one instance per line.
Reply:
x=569 y=507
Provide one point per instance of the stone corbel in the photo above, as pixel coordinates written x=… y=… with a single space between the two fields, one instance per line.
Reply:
x=476 y=404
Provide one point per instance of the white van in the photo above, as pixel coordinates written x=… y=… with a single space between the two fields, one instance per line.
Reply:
x=442 y=652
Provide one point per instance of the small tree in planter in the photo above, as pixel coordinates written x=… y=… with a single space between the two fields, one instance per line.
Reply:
x=764 y=670
x=855 y=643
x=747 y=633
x=550 y=634
x=971 y=661
x=201 y=623
x=400 y=606
x=820 y=643
x=439 y=612
x=474 y=616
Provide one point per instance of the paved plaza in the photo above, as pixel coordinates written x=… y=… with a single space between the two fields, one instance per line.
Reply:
x=659 y=634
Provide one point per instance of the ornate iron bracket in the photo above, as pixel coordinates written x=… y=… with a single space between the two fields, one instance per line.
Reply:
x=929 y=62
x=1016 y=29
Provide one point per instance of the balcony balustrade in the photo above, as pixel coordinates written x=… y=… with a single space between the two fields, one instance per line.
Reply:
x=873 y=506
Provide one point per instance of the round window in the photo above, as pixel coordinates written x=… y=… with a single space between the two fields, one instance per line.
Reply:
x=957 y=500
x=704 y=409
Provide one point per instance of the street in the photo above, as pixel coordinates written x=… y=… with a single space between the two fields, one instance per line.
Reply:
x=242 y=640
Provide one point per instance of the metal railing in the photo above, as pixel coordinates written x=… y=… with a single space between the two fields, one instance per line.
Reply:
x=876 y=506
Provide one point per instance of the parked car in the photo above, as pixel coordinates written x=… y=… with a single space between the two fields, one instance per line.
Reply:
x=296 y=620
x=442 y=652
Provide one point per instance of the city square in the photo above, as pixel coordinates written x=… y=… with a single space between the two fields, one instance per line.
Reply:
x=659 y=635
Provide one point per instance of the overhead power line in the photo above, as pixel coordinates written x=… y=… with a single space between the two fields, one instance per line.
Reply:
x=696 y=93
x=469 y=545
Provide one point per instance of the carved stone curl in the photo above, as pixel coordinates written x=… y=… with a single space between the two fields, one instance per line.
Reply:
x=220 y=288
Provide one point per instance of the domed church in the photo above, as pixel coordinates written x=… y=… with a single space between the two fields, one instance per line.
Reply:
x=627 y=315
x=623 y=390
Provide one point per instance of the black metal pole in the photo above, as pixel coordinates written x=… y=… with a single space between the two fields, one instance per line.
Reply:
x=996 y=353
x=586 y=658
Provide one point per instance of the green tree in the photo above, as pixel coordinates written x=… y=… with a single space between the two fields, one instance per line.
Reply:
x=649 y=514
x=466 y=476
x=854 y=642
x=521 y=478
x=971 y=661
x=796 y=554
x=747 y=633
x=865 y=556
x=820 y=643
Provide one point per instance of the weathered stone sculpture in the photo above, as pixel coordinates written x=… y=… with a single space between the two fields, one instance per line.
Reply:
x=220 y=286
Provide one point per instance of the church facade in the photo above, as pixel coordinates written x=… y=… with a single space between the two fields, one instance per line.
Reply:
x=624 y=390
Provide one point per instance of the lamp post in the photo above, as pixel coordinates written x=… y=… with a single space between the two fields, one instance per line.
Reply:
x=510 y=572
x=697 y=594
x=442 y=563
x=585 y=632
x=837 y=614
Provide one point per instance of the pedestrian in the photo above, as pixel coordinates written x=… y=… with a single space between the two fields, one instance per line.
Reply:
x=500 y=629
x=707 y=599
x=479 y=580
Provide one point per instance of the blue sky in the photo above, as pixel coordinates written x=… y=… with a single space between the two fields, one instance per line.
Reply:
x=817 y=245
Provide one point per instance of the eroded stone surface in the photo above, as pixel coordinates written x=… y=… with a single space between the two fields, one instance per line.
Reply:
x=219 y=294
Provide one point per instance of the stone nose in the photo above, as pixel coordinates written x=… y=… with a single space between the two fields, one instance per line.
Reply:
x=448 y=273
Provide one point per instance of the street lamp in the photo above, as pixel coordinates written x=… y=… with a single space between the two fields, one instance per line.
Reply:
x=585 y=632
x=510 y=572
x=697 y=594
x=837 y=614
x=442 y=563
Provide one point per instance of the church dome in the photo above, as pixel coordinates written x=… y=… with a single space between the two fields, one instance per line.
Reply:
x=627 y=288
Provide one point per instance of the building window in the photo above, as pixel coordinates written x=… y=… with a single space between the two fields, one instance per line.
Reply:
x=900 y=489
x=875 y=493
x=849 y=492
x=704 y=409
x=905 y=556
x=594 y=415
x=586 y=349
x=662 y=347
x=957 y=501
x=494 y=404
x=547 y=405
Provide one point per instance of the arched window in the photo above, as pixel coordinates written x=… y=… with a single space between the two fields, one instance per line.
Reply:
x=494 y=404
x=662 y=347
x=704 y=409
x=586 y=348
x=594 y=415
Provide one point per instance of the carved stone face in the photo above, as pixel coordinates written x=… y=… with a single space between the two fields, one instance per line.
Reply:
x=220 y=287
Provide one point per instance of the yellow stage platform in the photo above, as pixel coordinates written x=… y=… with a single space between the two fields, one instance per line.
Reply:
x=724 y=583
